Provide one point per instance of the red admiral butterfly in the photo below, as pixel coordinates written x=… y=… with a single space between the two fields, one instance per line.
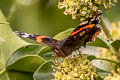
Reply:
x=85 y=32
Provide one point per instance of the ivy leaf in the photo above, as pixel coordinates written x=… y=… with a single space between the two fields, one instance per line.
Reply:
x=44 y=72
x=19 y=75
x=116 y=44
x=27 y=56
x=99 y=43
x=9 y=43
x=27 y=63
x=91 y=57
x=102 y=73
x=64 y=34
x=22 y=52
x=46 y=53
x=102 y=63
x=99 y=78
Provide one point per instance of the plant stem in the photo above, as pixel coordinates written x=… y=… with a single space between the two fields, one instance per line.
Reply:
x=106 y=30
x=107 y=60
x=107 y=33
x=2 y=71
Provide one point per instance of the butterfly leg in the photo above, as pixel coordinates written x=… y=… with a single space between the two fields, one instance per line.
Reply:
x=79 y=52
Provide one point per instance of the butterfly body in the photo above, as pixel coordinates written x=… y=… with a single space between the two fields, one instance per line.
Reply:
x=85 y=32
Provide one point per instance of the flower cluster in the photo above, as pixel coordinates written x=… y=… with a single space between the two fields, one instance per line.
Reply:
x=113 y=76
x=115 y=30
x=83 y=8
x=115 y=33
x=106 y=53
x=74 y=68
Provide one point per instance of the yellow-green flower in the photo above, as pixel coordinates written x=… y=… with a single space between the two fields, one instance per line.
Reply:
x=115 y=30
x=106 y=53
x=74 y=68
x=113 y=76
x=83 y=8
x=115 y=33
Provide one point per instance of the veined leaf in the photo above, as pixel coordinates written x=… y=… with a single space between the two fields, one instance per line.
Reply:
x=99 y=43
x=27 y=64
x=19 y=75
x=44 y=72
x=23 y=52
x=46 y=53
x=116 y=44
x=64 y=34
x=9 y=43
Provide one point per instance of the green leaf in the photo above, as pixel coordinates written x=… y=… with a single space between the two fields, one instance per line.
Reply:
x=9 y=43
x=24 y=60
x=99 y=78
x=91 y=57
x=46 y=53
x=19 y=75
x=27 y=64
x=106 y=25
x=102 y=73
x=44 y=50
x=22 y=52
x=44 y=72
x=116 y=44
x=64 y=34
x=99 y=43
x=102 y=64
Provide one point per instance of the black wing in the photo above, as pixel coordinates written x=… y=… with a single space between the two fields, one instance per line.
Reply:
x=85 y=32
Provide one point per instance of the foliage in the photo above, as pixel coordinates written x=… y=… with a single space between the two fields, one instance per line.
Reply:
x=25 y=60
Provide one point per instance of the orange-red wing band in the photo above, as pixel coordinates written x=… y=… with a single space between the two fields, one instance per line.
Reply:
x=87 y=26
x=94 y=36
x=39 y=38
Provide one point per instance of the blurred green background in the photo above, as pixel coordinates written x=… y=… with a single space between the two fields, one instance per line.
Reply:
x=43 y=16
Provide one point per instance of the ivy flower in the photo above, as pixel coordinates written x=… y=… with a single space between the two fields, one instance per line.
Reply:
x=83 y=8
x=113 y=76
x=115 y=30
x=74 y=68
